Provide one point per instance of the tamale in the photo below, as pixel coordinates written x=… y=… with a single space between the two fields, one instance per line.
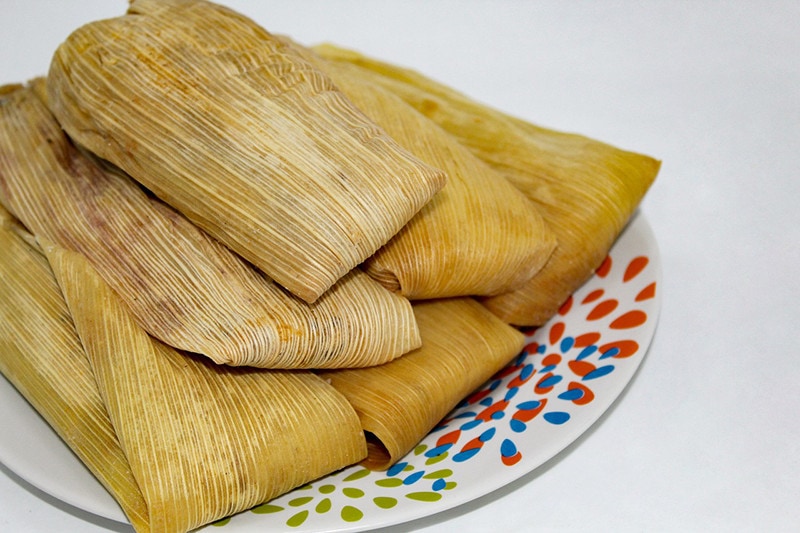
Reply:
x=463 y=345
x=253 y=144
x=203 y=441
x=42 y=356
x=478 y=236
x=585 y=189
x=183 y=286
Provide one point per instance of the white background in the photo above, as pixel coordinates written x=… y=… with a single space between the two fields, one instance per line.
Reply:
x=706 y=436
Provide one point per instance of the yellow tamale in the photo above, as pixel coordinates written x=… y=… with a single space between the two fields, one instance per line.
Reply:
x=42 y=356
x=478 y=236
x=183 y=286
x=463 y=345
x=202 y=441
x=252 y=143
x=586 y=190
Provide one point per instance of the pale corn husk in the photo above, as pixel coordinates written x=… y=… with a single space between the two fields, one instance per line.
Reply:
x=252 y=143
x=42 y=356
x=463 y=345
x=585 y=189
x=478 y=236
x=203 y=441
x=183 y=286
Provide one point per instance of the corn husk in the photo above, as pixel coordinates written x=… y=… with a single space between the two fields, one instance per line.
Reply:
x=586 y=190
x=42 y=356
x=463 y=345
x=478 y=236
x=183 y=286
x=203 y=441
x=252 y=143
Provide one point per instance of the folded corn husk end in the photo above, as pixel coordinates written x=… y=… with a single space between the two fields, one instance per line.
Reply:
x=183 y=286
x=586 y=190
x=588 y=214
x=214 y=115
x=42 y=356
x=398 y=403
x=477 y=236
x=204 y=441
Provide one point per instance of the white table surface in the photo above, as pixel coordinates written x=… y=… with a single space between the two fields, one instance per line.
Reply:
x=706 y=436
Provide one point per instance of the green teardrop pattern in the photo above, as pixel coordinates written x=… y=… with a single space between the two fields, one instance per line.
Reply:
x=310 y=500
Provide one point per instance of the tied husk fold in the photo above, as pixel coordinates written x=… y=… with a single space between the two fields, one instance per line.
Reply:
x=463 y=345
x=226 y=124
x=478 y=236
x=183 y=286
x=586 y=190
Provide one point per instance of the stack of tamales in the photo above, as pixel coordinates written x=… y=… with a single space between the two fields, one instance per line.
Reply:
x=231 y=264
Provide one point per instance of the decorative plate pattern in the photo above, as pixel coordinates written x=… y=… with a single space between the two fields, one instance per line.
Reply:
x=569 y=373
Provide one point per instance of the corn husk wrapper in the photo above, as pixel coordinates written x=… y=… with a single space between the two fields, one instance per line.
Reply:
x=586 y=190
x=478 y=236
x=203 y=441
x=252 y=143
x=42 y=356
x=183 y=286
x=463 y=345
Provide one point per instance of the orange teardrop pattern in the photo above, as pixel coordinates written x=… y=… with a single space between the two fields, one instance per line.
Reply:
x=603 y=309
x=647 y=293
x=631 y=319
x=624 y=348
x=556 y=331
x=604 y=268
x=635 y=267
x=592 y=296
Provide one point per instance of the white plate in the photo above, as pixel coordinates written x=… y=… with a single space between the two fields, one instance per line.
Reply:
x=570 y=373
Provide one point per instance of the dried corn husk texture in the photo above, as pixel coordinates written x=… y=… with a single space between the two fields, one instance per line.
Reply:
x=463 y=345
x=203 y=441
x=252 y=143
x=183 y=286
x=586 y=190
x=42 y=356
x=478 y=236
